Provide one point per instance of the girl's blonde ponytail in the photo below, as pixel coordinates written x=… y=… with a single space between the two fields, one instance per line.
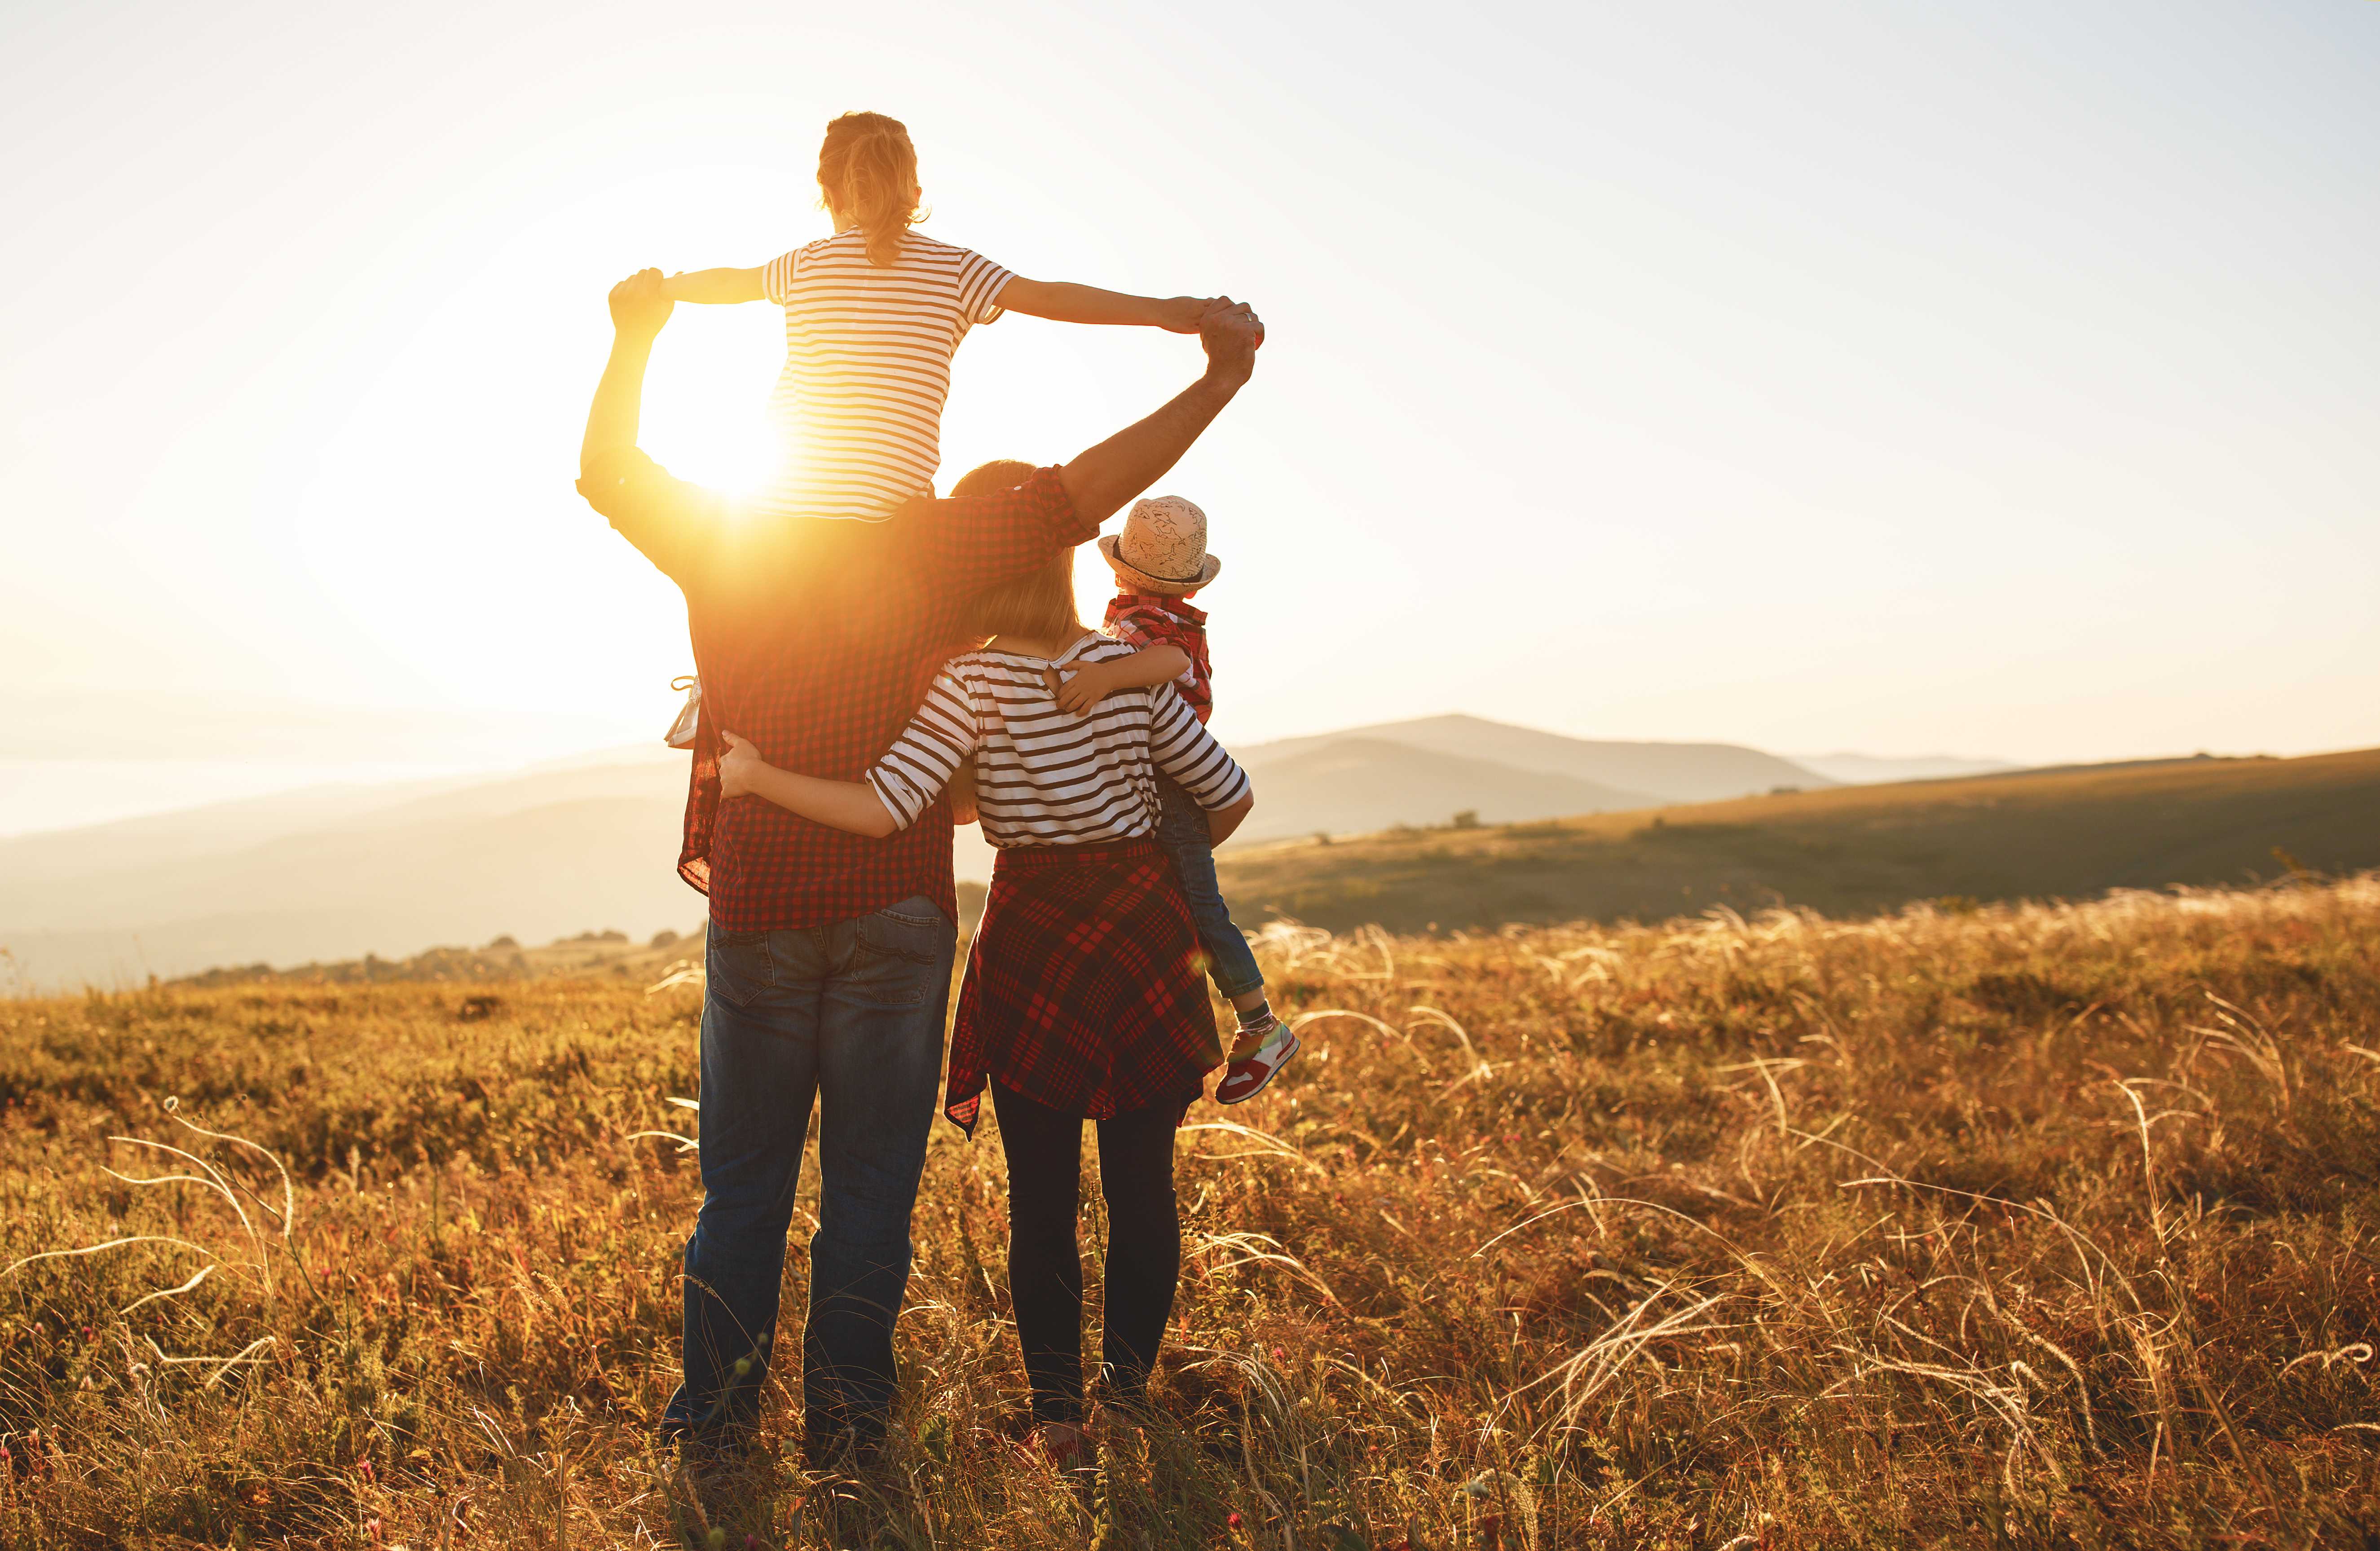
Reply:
x=869 y=170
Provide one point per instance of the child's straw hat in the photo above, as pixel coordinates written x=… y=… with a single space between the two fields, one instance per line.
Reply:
x=1162 y=547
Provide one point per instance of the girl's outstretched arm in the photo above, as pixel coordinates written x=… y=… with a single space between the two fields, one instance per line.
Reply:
x=715 y=286
x=1063 y=301
x=841 y=804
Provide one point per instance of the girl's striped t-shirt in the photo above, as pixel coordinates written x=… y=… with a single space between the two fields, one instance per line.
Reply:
x=1045 y=776
x=857 y=410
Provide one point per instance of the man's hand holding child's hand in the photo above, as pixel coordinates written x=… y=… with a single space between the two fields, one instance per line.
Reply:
x=1232 y=333
x=639 y=305
x=737 y=766
x=1181 y=314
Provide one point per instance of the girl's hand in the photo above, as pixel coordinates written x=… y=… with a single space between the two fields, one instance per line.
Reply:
x=738 y=766
x=1181 y=314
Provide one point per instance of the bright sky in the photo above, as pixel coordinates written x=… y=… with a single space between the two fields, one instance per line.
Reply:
x=1990 y=376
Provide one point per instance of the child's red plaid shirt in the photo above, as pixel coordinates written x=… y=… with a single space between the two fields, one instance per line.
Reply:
x=1141 y=620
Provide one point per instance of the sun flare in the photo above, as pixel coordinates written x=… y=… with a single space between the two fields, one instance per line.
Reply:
x=705 y=401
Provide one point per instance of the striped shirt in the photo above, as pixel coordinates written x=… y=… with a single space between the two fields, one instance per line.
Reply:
x=857 y=410
x=1045 y=777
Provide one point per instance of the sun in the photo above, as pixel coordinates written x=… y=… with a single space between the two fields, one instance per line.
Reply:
x=707 y=395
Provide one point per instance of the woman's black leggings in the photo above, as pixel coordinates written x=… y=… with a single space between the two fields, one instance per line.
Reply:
x=1045 y=1263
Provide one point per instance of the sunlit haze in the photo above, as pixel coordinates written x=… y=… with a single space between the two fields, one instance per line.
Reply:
x=1983 y=378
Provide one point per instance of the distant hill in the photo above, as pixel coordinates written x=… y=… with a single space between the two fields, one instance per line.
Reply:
x=1665 y=773
x=339 y=892
x=335 y=873
x=1867 y=770
x=2072 y=834
x=1370 y=783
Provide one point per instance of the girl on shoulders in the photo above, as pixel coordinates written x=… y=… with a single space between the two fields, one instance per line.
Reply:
x=873 y=315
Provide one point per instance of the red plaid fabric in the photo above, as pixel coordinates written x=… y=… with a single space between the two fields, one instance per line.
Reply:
x=817 y=639
x=1083 y=990
x=1140 y=620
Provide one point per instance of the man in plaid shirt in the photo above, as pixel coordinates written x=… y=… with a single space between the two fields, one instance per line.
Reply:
x=828 y=954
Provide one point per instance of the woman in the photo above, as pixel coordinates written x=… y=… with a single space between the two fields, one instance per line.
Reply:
x=1083 y=997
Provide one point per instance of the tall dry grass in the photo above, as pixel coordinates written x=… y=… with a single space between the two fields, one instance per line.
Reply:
x=2050 y=1225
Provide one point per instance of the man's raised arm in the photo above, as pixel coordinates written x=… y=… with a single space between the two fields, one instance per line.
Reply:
x=675 y=524
x=638 y=311
x=1102 y=479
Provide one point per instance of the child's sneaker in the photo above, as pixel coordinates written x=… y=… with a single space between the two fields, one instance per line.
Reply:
x=1251 y=1075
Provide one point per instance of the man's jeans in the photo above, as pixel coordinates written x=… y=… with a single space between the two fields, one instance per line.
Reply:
x=1182 y=831
x=851 y=1013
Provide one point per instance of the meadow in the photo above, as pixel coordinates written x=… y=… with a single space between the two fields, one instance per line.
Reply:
x=2034 y=834
x=1998 y=1225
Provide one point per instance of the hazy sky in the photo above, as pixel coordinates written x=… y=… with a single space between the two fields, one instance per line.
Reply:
x=1999 y=378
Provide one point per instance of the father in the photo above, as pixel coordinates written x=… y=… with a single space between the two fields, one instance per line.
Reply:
x=829 y=954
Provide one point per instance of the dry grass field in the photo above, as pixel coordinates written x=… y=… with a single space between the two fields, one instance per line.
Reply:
x=2004 y=1226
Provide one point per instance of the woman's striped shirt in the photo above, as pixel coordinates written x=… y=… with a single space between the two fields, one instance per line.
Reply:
x=1043 y=776
x=858 y=409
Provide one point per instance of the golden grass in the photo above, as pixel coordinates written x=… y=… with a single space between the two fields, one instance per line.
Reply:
x=2023 y=1226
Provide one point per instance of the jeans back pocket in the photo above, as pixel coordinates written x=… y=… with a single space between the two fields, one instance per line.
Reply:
x=902 y=954
x=738 y=967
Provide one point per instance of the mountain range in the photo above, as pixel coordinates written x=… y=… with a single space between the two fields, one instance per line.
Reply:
x=338 y=872
x=1424 y=771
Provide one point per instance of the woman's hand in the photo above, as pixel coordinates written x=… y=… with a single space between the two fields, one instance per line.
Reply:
x=962 y=793
x=853 y=805
x=738 y=766
x=1221 y=821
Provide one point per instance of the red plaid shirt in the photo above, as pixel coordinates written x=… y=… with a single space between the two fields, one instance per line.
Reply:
x=820 y=676
x=1141 y=620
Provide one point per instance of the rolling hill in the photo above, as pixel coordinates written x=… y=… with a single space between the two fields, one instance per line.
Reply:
x=2071 y=834
x=1370 y=783
x=1866 y=769
x=339 y=872
x=335 y=873
x=1663 y=772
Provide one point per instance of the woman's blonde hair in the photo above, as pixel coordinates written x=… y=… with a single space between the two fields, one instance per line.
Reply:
x=867 y=171
x=1038 y=606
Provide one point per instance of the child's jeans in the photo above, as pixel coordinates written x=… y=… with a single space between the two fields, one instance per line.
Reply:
x=1182 y=831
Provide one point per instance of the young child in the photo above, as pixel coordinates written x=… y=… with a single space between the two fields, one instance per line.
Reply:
x=1161 y=561
x=873 y=315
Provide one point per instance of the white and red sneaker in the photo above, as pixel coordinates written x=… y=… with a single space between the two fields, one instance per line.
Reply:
x=1253 y=1073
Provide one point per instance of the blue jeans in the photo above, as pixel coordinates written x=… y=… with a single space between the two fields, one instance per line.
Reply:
x=851 y=1013
x=1182 y=831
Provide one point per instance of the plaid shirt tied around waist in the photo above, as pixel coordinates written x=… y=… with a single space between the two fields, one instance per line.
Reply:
x=1082 y=988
